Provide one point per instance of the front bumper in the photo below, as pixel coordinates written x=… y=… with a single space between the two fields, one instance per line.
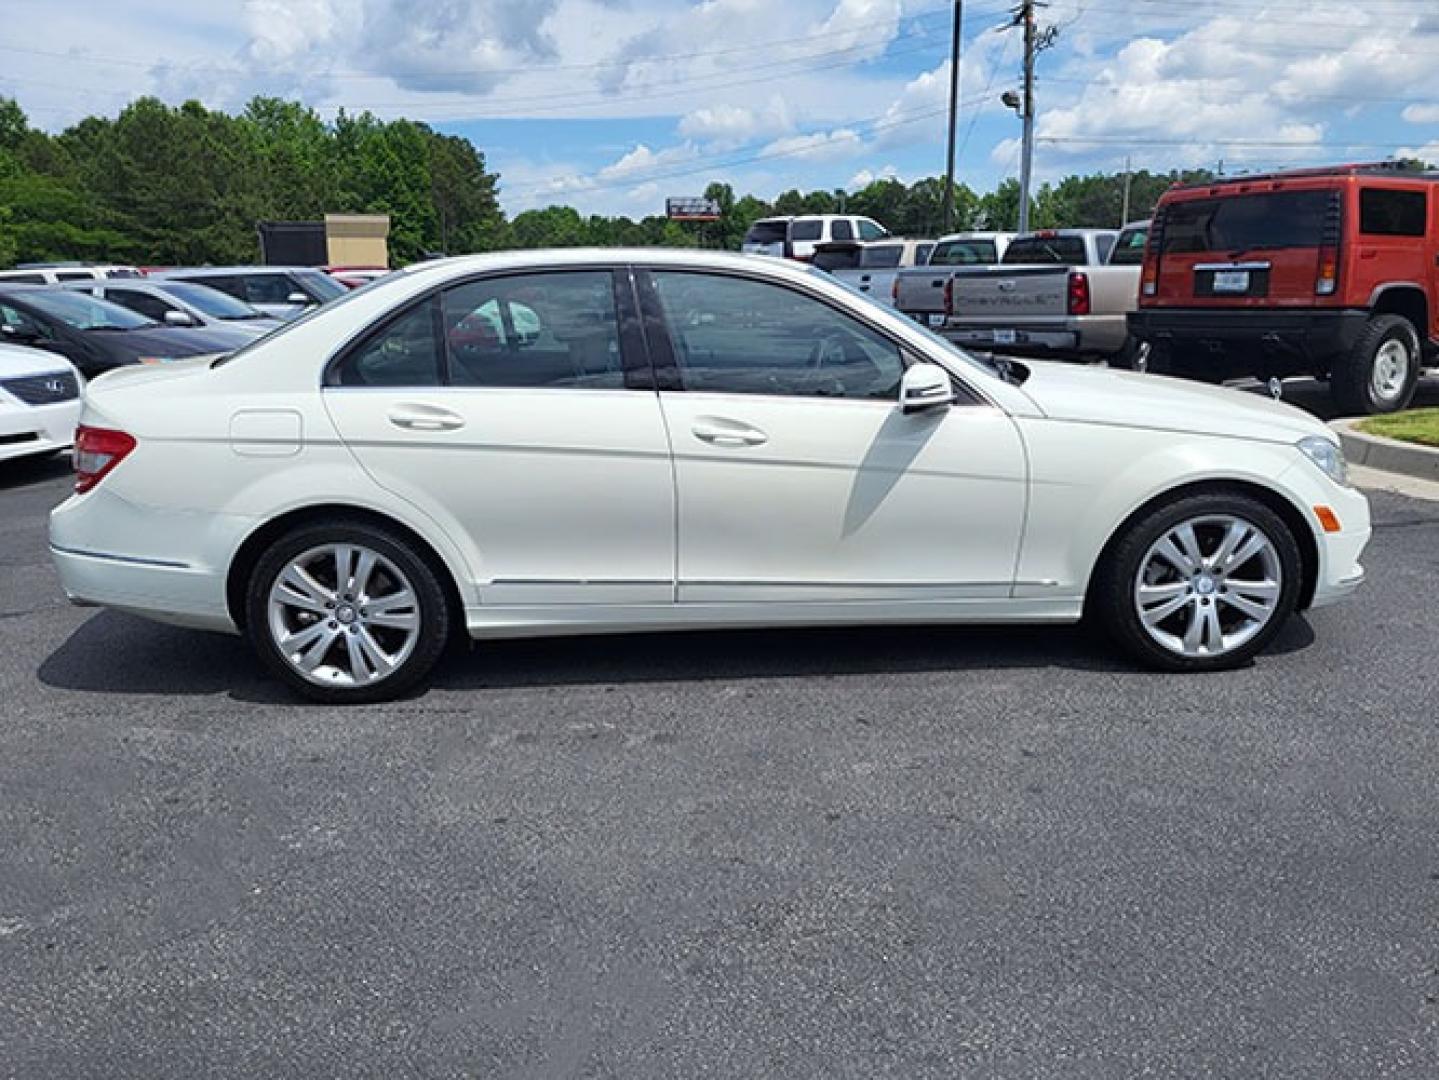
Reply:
x=1340 y=571
x=37 y=429
x=1226 y=343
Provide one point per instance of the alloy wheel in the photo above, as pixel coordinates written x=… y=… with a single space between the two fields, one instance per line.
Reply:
x=1390 y=373
x=343 y=615
x=1208 y=586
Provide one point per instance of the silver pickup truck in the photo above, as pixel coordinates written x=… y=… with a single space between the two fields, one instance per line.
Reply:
x=919 y=293
x=1060 y=293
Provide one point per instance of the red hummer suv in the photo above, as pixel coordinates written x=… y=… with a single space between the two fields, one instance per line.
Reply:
x=1330 y=272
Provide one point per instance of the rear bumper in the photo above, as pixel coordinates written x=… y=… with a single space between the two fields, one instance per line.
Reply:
x=1075 y=336
x=1227 y=343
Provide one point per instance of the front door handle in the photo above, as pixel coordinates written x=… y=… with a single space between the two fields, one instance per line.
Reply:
x=416 y=417
x=720 y=432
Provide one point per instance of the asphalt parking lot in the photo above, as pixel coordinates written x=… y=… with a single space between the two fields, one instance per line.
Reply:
x=927 y=853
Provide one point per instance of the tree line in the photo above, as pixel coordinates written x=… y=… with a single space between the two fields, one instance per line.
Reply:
x=162 y=184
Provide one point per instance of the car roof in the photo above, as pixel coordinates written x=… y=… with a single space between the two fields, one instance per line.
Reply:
x=226 y=271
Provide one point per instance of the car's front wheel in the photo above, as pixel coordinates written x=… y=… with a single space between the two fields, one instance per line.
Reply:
x=347 y=612
x=1202 y=583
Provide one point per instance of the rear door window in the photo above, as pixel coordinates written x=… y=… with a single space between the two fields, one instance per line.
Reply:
x=543 y=330
x=1259 y=222
x=1046 y=250
x=1386 y=212
x=964 y=253
x=807 y=230
x=1129 y=251
x=842 y=230
x=270 y=288
x=881 y=256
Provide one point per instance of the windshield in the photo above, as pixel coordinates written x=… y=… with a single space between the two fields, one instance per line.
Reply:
x=211 y=302
x=83 y=312
x=965 y=253
x=321 y=286
x=1281 y=219
x=1046 y=250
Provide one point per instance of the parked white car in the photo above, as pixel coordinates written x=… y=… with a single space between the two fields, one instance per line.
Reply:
x=59 y=273
x=797 y=237
x=682 y=440
x=282 y=292
x=39 y=402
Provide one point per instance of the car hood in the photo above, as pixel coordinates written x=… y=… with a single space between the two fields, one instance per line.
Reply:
x=18 y=361
x=163 y=342
x=1126 y=399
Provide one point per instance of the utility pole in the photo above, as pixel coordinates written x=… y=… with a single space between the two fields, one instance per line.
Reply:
x=1026 y=16
x=953 y=115
x=1128 y=176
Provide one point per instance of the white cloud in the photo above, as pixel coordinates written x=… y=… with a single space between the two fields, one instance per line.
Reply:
x=1421 y=114
x=734 y=125
x=865 y=177
x=836 y=145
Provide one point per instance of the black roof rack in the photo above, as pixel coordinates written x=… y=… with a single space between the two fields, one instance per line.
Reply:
x=1361 y=168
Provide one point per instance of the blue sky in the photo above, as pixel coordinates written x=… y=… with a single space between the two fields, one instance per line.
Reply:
x=611 y=105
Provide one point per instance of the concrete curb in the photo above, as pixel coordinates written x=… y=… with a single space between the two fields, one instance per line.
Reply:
x=1390 y=455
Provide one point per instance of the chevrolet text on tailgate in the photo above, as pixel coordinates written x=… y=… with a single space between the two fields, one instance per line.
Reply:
x=1329 y=272
x=1057 y=293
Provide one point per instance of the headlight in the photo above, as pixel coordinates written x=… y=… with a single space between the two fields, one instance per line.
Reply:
x=1329 y=456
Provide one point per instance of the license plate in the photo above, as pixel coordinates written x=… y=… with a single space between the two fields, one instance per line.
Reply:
x=1231 y=281
x=1004 y=337
x=936 y=320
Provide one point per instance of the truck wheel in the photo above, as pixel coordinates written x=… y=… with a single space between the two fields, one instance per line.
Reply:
x=1381 y=370
x=1131 y=357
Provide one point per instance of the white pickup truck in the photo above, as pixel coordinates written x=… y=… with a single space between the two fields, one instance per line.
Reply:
x=919 y=293
x=1060 y=293
x=876 y=267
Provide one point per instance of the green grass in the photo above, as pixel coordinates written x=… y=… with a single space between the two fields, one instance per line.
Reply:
x=1416 y=426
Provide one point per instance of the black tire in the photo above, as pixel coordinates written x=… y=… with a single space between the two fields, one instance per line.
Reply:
x=1351 y=383
x=1128 y=357
x=1111 y=595
x=436 y=617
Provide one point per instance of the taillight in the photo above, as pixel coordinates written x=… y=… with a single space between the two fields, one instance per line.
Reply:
x=948 y=300
x=1328 y=278
x=97 y=451
x=1149 y=278
x=1078 y=293
x=894 y=289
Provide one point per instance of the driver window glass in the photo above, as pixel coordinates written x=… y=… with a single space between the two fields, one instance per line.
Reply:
x=19 y=324
x=735 y=336
x=152 y=307
x=556 y=330
x=269 y=289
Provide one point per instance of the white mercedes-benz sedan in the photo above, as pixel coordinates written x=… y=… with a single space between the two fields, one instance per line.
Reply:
x=566 y=442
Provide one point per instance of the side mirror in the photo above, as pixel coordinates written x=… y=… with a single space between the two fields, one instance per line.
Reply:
x=925 y=386
x=298 y=298
x=178 y=318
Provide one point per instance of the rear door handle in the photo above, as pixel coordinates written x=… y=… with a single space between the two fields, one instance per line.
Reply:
x=418 y=417
x=720 y=432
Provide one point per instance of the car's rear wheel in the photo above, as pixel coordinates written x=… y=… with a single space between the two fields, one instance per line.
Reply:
x=1382 y=369
x=347 y=613
x=1199 y=584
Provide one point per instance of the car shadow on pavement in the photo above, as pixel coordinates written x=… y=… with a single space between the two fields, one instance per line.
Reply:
x=120 y=654
x=24 y=472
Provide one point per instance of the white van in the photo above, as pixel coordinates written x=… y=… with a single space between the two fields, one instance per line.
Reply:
x=796 y=237
x=55 y=273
